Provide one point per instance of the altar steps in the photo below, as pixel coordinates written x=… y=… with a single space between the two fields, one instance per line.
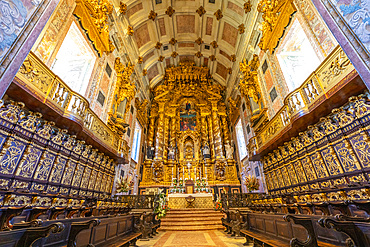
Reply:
x=191 y=220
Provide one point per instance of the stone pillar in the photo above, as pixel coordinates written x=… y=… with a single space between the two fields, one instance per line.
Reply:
x=25 y=37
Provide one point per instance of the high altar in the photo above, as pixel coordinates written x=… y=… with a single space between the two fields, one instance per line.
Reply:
x=188 y=134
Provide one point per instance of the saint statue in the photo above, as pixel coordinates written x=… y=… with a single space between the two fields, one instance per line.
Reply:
x=171 y=153
x=189 y=153
x=206 y=152
x=150 y=153
x=229 y=151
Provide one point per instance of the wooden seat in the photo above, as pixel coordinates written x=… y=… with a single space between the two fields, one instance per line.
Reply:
x=261 y=239
x=128 y=240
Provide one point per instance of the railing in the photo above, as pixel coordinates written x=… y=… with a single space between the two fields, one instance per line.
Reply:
x=50 y=89
x=299 y=102
x=238 y=200
x=139 y=201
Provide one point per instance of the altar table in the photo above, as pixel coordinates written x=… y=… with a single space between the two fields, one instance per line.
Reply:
x=202 y=200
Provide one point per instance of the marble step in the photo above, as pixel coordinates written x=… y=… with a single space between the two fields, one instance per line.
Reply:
x=175 y=219
x=191 y=223
x=191 y=228
x=192 y=216
x=210 y=212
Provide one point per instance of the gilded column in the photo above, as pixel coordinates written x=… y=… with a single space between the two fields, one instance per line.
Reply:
x=160 y=132
x=173 y=132
x=204 y=130
x=225 y=129
x=211 y=139
x=151 y=131
x=166 y=137
x=216 y=131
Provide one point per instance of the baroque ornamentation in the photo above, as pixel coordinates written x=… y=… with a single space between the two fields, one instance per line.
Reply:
x=170 y=11
x=125 y=89
x=130 y=30
x=173 y=41
x=122 y=8
x=152 y=15
x=201 y=11
x=276 y=16
x=218 y=14
x=188 y=126
x=199 y=41
x=214 y=44
x=93 y=15
x=158 y=45
x=247 y=6
x=249 y=85
x=241 y=28
x=140 y=60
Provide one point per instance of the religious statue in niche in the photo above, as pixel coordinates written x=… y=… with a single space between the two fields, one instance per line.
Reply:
x=171 y=153
x=187 y=117
x=150 y=153
x=229 y=150
x=206 y=152
x=189 y=152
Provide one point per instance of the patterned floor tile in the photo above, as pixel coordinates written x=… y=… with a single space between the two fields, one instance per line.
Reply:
x=192 y=239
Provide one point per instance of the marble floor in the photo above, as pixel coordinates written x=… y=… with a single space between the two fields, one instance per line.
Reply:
x=192 y=239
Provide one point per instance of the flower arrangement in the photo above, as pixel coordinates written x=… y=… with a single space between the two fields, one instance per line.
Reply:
x=124 y=185
x=252 y=183
x=218 y=204
x=162 y=207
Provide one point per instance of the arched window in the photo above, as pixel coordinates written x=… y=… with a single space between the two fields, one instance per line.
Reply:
x=75 y=60
x=240 y=139
x=296 y=55
x=136 y=143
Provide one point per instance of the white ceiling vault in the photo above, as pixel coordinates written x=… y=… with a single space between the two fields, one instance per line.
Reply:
x=167 y=32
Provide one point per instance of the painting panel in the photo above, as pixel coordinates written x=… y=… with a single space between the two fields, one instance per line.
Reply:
x=188 y=117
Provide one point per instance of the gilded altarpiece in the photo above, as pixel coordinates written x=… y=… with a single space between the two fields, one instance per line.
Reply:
x=188 y=134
